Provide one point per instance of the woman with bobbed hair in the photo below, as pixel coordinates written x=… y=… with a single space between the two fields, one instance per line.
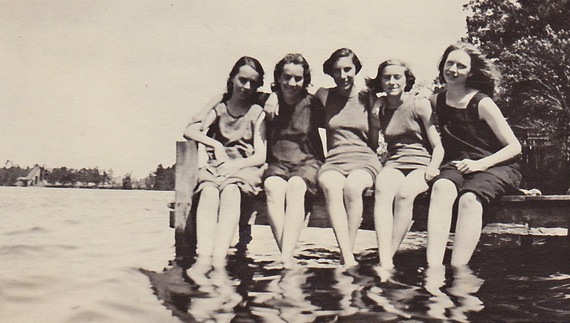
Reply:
x=295 y=153
x=480 y=148
x=414 y=154
x=351 y=164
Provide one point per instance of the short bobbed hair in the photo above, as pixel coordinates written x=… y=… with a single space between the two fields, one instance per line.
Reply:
x=483 y=76
x=291 y=58
x=375 y=84
x=243 y=61
x=336 y=55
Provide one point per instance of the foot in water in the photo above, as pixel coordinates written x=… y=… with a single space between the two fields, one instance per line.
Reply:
x=198 y=272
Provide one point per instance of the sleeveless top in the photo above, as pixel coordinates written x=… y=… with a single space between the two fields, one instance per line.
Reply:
x=293 y=135
x=406 y=136
x=463 y=133
x=346 y=123
x=235 y=133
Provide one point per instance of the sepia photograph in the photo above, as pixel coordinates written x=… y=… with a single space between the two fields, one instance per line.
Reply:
x=284 y=161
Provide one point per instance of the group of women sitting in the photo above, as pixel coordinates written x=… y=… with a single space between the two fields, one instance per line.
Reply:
x=256 y=140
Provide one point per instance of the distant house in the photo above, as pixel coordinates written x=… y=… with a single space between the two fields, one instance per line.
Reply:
x=34 y=178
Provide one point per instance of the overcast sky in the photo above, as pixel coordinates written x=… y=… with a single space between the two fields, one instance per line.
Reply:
x=112 y=84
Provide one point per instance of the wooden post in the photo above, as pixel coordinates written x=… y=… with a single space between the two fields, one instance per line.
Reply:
x=186 y=178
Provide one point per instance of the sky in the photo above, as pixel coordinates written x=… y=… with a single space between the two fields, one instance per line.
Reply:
x=112 y=84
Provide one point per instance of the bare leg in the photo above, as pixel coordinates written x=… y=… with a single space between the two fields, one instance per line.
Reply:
x=387 y=184
x=468 y=228
x=294 y=218
x=230 y=201
x=275 y=190
x=356 y=183
x=412 y=186
x=206 y=220
x=443 y=196
x=206 y=223
x=332 y=184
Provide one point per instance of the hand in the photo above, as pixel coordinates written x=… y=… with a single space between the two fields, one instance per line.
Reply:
x=468 y=166
x=220 y=154
x=431 y=172
x=271 y=106
x=229 y=167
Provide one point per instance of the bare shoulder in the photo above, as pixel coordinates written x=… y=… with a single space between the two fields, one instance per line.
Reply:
x=487 y=108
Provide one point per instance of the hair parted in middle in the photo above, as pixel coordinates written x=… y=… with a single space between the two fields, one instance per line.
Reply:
x=243 y=61
x=375 y=84
x=291 y=58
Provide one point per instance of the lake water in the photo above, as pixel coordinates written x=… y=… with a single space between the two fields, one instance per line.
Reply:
x=75 y=255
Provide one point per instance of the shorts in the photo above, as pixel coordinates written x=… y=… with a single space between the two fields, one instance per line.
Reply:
x=307 y=170
x=489 y=185
x=347 y=162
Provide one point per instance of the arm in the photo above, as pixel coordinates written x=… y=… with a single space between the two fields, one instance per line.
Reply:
x=424 y=111
x=196 y=131
x=492 y=115
x=271 y=106
x=374 y=121
x=203 y=114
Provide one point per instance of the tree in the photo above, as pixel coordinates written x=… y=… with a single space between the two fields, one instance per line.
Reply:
x=529 y=41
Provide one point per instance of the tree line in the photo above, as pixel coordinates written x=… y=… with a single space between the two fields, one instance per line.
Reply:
x=161 y=179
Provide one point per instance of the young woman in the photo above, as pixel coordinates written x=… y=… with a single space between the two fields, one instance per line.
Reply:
x=414 y=149
x=295 y=153
x=236 y=149
x=479 y=151
x=351 y=165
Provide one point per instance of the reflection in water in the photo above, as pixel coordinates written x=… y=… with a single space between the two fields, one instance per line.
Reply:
x=464 y=285
x=253 y=289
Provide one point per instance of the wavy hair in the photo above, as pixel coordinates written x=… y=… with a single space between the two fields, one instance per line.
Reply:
x=291 y=58
x=336 y=55
x=483 y=76
x=243 y=61
x=375 y=84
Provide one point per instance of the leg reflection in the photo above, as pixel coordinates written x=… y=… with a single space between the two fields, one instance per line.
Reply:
x=465 y=285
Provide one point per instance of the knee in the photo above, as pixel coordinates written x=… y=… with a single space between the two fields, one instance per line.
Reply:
x=405 y=198
x=469 y=200
x=231 y=190
x=330 y=183
x=444 y=188
x=296 y=185
x=356 y=185
x=274 y=185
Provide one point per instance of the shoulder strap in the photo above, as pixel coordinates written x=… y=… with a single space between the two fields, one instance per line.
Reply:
x=473 y=106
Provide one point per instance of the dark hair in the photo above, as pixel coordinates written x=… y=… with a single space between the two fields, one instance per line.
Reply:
x=375 y=84
x=483 y=77
x=291 y=58
x=243 y=61
x=336 y=55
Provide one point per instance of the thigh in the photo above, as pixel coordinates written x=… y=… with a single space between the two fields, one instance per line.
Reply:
x=389 y=180
x=359 y=180
x=414 y=184
x=486 y=186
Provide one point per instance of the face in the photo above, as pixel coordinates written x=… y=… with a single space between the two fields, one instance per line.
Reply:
x=291 y=80
x=246 y=82
x=343 y=72
x=393 y=80
x=457 y=67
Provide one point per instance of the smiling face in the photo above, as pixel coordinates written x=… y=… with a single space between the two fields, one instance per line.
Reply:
x=393 y=80
x=343 y=72
x=291 y=81
x=245 y=83
x=457 y=67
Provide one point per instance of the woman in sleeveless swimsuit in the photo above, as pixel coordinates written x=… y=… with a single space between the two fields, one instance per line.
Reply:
x=295 y=153
x=414 y=149
x=351 y=165
x=480 y=148
x=235 y=143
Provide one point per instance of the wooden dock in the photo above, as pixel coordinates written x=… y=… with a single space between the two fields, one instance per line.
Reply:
x=549 y=211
